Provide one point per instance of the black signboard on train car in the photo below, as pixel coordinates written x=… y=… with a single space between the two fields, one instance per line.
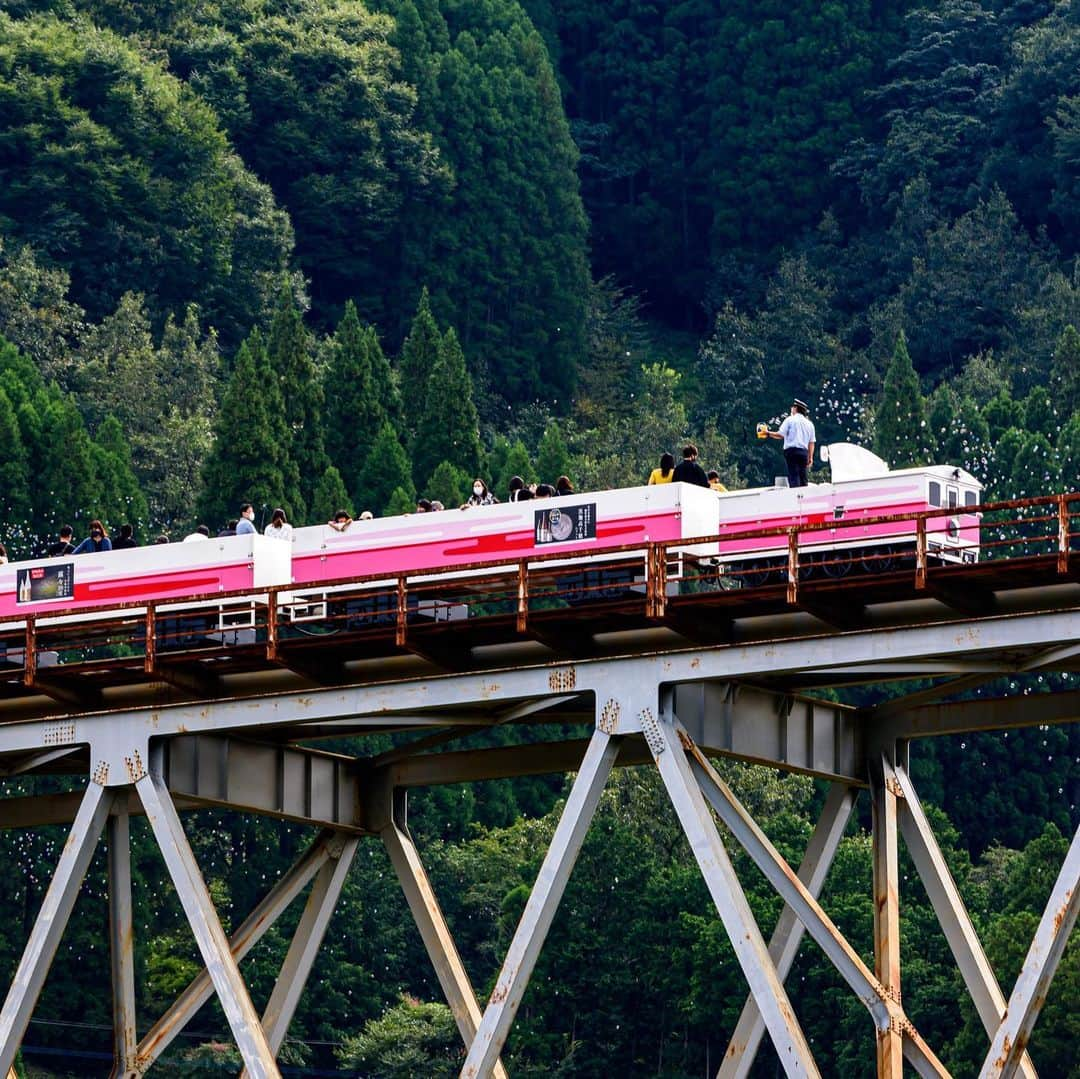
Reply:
x=42 y=584
x=565 y=524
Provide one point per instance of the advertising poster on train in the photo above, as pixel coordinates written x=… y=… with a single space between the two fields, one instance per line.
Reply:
x=565 y=524
x=42 y=584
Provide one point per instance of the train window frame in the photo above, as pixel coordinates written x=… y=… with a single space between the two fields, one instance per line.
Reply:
x=953 y=495
x=934 y=495
x=971 y=498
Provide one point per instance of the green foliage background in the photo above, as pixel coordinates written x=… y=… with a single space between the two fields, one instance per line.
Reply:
x=326 y=254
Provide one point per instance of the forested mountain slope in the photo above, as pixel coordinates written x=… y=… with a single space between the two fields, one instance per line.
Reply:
x=325 y=253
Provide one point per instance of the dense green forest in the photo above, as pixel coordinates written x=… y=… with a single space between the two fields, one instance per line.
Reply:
x=323 y=253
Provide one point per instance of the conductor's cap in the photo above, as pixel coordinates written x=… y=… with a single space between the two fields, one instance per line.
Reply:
x=801 y=404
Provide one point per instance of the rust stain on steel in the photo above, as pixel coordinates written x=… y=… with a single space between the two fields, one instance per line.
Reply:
x=1063 y=910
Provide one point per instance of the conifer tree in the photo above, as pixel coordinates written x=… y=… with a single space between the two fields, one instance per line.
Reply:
x=1066 y=371
x=385 y=470
x=516 y=463
x=418 y=356
x=66 y=470
x=448 y=484
x=120 y=499
x=400 y=502
x=354 y=410
x=552 y=458
x=901 y=413
x=288 y=349
x=250 y=459
x=330 y=496
x=449 y=429
x=14 y=478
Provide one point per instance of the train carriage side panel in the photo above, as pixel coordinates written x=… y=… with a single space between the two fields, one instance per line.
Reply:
x=510 y=531
x=93 y=581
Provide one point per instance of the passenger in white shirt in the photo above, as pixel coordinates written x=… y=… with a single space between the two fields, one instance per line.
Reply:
x=201 y=533
x=279 y=527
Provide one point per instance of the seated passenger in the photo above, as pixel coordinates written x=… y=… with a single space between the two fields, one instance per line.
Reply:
x=63 y=545
x=98 y=540
x=279 y=527
x=688 y=470
x=161 y=539
x=201 y=533
x=245 y=525
x=714 y=480
x=367 y=515
x=480 y=496
x=125 y=539
x=228 y=530
x=436 y=506
x=664 y=473
x=340 y=521
x=544 y=490
x=516 y=486
x=423 y=505
x=563 y=486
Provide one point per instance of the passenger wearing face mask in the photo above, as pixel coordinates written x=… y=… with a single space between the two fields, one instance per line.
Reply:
x=480 y=496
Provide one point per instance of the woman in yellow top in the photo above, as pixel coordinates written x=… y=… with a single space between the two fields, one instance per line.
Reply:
x=664 y=473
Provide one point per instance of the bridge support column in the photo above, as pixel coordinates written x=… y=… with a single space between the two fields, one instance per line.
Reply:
x=951 y=913
x=788 y=935
x=1029 y=993
x=265 y=915
x=428 y=916
x=121 y=941
x=191 y=890
x=890 y=1040
x=708 y=849
x=306 y=941
x=51 y=921
x=541 y=906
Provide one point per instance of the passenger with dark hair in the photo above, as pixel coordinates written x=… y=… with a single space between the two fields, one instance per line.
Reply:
x=97 y=541
x=245 y=525
x=340 y=521
x=714 y=480
x=666 y=470
x=563 y=486
x=125 y=539
x=481 y=495
x=63 y=545
x=798 y=435
x=161 y=539
x=201 y=533
x=228 y=530
x=516 y=486
x=688 y=470
x=279 y=527
x=423 y=505
x=544 y=490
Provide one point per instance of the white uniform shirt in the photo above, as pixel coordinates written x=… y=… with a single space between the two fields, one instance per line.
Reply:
x=798 y=432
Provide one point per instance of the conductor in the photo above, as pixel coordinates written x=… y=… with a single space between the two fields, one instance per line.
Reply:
x=798 y=434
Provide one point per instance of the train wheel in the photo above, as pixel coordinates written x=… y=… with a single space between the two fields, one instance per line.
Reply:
x=878 y=559
x=836 y=563
x=755 y=573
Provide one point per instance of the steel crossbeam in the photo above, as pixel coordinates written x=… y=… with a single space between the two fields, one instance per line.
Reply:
x=250 y=932
x=51 y=921
x=766 y=986
x=949 y=907
x=191 y=890
x=434 y=931
x=540 y=909
x=306 y=941
x=1029 y=993
x=788 y=935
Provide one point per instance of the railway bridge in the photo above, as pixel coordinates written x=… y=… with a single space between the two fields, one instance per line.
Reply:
x=161 y=708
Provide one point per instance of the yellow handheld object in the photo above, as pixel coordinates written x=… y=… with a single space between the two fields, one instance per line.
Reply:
x=763 y=430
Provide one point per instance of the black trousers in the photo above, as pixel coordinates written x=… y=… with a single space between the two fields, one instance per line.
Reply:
x=796 y=467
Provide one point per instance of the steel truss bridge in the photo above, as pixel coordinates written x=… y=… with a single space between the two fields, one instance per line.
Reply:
x=164 y=708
